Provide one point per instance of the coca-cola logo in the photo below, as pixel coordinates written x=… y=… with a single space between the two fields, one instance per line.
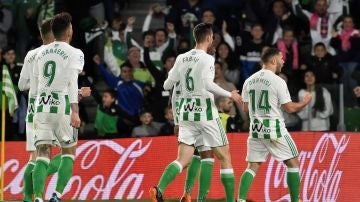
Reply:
x=320 y=175
x=120 y=183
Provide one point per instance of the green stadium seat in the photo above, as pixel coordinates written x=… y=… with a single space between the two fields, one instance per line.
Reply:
x=352 y=119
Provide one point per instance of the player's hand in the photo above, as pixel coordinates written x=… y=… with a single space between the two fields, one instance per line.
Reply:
x=224 y=26
x=357 y=91
x=97 y=59
x=85 y=91
x=131 y=21
x=236 y=97
x=75 y=120
x=176 y=130
x=307 y=97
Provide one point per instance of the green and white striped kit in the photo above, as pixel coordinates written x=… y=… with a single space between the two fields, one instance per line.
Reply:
x=54 y=103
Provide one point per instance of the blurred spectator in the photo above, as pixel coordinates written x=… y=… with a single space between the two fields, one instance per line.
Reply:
x=251 y=51
x=324 y=66
x=235 y=111
x=357 y=91
x=230 y=64
x=24 y=13
x=347 y=55
x=116 y=47
x=290 y=52
x=230 y=123
x=141 y=73
x=321 y=22
x=14 y=68
x=130 y=97
x=106 y=115
x=46 y=11
x=183 y=46
x=168 y=127
x=6 y=20
x=292 y=120
x=184 y=14
x=158 y=98
x=147 y=127
x=316 y=115
x=279 y=18
x=155 y=19
x=158 y=41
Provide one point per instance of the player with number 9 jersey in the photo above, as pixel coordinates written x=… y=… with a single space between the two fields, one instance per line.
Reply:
x=58 y=67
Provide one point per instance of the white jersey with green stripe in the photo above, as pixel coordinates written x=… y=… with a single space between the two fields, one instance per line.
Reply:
x=265 y=92
x=28 y=75
x=57 y=67
x=194 y=102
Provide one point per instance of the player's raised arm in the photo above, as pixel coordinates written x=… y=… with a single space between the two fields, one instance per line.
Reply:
x=173 y=77
x=292 y=107
x=24 y=80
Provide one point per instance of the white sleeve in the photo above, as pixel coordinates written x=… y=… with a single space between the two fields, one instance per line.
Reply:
x=111 y=62
x=36 y=77
x=77 y=60
x=24 y=80
x=244 y=93
x=283 y=92
x=146 y=24
x=228 y=39
x=215 y=89
x=209 y=68
x=304 y=112
x=73 y=85
x=173 y=106
x=173 y=76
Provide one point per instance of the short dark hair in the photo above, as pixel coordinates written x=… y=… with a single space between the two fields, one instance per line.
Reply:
x=167 y=55
x=201 y=31
x=162 y=30
x=148 y=33
x=320 y=44
x=268 y=54
x=112 y=92
x=60 y=23
x=45 y=27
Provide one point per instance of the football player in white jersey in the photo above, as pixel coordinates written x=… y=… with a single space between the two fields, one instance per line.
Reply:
x=264 y=93
x=199 y=123
x=56 y=108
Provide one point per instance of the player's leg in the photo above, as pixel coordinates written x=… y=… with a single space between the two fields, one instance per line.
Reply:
x=256 y=154
x=284 y=149
x=54 y=164
x=246 y=180
x=28 y=183
x=293 y=178
x=186 y=139
x=214 y=136
x=30 y=147
x=185 y=153
x=191 y=175
x=206 y=168
x=40 y=169
x=43 y=125
x=67 y=137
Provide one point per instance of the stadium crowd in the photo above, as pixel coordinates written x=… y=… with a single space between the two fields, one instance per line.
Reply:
x=318 y=39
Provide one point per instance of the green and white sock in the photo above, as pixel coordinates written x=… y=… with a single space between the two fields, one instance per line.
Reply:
x=293 y=181
x=169 y=174
x=228 y=181
x=39 y=176
x=245 y=183
x=206 y=169
x=28 y=182
x=191 y=174
x=54 y=164
x=64 y=172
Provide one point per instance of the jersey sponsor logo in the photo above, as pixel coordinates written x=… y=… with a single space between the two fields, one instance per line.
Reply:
x=260 y=127
x=191 y=107
x=48 y=100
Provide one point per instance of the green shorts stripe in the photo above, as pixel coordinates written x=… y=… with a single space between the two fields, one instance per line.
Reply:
x=222 y=132
x=291 y=145
x=294 y=146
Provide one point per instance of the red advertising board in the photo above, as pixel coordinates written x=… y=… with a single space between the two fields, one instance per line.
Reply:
x=126 y=168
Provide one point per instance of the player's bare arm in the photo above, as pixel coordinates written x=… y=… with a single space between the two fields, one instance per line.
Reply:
x=292 y=107
x=75 y=119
